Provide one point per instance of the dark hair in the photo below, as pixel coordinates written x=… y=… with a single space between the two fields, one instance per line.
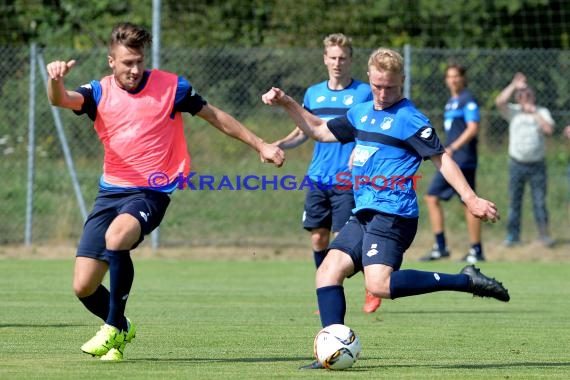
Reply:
x=129 y=35
x=523 y=91
x=457 y=66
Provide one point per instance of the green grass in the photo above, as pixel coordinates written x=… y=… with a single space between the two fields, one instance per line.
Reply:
x=254 y=320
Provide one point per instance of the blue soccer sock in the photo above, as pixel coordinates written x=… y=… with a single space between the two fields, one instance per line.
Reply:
x=440 y=241
x=477 y=248
x=98 y=302
x=319 y=257
x=405 y=283
x=121 y=276
x=332 y=304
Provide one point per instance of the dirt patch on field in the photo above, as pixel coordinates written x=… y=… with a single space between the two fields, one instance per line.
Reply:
x=494 y=251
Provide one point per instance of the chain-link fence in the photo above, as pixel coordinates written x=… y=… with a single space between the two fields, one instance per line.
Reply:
x=51 y=159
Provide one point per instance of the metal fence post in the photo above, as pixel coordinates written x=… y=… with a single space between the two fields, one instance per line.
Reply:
x=154 y=236
x=31 y=147
x=407 y=70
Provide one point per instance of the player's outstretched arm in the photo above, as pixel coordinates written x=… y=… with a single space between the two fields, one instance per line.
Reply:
x=479 y=207
x=57 y=94
x=232 y=127
x=292 y=140
x=310 y=124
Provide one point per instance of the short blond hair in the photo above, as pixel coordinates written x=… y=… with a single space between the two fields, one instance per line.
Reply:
x=384 y=59
x=338 y=39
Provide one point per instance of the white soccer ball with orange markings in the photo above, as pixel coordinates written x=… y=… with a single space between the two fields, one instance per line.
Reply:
x=337 y=347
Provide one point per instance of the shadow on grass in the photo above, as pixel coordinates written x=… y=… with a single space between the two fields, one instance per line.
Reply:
x=360 y=366
x=244 y=360
x=505 y=365
x=449 y=312
x=221 y=360
x=42 y=325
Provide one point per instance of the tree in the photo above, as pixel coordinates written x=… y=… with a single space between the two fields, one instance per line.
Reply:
x=302 y=23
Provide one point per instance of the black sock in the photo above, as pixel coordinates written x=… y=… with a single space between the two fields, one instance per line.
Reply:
x=477 y=248
x=319 y=256
x=409 y=282
x=98 y=302
x=332 y=304
x=440 y=241
x=121 y=276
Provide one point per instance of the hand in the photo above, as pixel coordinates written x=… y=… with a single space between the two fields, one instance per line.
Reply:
x=58 y=69
x=276 y=144
x=275 y=96
x=483 y=209
x=519 y=81
x=271 y=153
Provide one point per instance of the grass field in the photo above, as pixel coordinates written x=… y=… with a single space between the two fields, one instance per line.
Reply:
x=253 y=319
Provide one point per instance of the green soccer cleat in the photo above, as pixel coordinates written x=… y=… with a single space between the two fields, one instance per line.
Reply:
x=131 y=331
x=116 y=353
x=106 y=338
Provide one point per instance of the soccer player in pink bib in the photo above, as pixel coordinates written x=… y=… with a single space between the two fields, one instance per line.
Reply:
x=137 y=114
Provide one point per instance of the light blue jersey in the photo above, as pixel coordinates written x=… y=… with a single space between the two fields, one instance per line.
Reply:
x=330 y=159
x=390 y=146
x=458 y=112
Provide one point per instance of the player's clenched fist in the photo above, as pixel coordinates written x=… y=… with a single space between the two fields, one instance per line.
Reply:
x=272 y=154
x=275 y=96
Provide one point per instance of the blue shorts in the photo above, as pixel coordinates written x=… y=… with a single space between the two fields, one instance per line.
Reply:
x=147 y=206
x=382 y=237
x=329 y=208
x=440 y=188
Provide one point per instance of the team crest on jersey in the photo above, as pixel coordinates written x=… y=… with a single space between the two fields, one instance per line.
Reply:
x=471 y=106
x=386 y=123
x=362 y=153
x=321 y=99
x=348 y=100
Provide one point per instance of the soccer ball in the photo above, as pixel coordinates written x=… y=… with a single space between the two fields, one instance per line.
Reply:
x=337 y=347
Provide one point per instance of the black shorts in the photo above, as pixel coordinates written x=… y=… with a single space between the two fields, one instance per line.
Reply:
x=373 y=237
x=440 y=188
x=147 y=206
x=329 y=208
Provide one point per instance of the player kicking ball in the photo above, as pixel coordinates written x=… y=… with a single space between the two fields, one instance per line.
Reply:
x=392 y=139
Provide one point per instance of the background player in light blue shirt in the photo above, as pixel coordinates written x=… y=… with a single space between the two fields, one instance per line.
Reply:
x=461 y=124
x=328 y=206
